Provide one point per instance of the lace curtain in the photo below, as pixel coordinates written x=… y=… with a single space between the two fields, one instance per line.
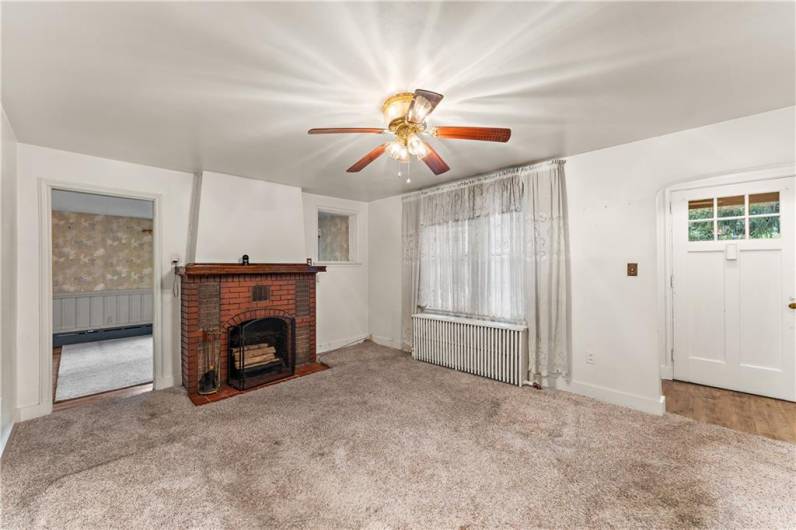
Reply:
x=493 y=247
x=547 y=272
x=471 y=251
x=410 y=268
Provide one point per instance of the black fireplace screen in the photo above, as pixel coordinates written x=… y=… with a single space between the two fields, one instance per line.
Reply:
x=260 y=351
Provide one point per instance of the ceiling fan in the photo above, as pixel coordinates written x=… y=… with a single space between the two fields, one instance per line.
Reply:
x=405 y=114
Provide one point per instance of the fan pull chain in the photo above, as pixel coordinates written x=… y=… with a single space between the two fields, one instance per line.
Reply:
x=404 y=173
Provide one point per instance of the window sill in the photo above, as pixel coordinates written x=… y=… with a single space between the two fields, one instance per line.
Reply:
x=338 y=263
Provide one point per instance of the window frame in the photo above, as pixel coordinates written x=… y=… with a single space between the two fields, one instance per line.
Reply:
x=353 y=236
x=715 y=219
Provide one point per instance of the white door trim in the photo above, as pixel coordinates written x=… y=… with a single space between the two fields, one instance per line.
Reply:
x=666 y=249
x=46 y=187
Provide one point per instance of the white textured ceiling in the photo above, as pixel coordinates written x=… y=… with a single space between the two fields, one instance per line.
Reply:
x=234 y=87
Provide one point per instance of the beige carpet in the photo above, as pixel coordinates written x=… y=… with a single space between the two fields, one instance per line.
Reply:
x=382 y=441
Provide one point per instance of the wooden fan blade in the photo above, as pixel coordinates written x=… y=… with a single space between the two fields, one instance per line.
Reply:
x=422 y=105
x=367 y=159
x=337 y=130
x=434 y=162
x=483 y=134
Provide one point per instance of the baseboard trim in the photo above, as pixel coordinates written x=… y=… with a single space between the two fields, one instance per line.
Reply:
x=386 y=341
x=615 y=397
x=94 y=335
x=33 y=411
x=166 y=381
x=667 y=372
x=335 y=344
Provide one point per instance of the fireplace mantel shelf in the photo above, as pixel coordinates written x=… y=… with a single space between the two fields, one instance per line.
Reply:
x=219 y=269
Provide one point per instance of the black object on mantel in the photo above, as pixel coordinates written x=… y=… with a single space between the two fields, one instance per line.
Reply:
x=244 y=259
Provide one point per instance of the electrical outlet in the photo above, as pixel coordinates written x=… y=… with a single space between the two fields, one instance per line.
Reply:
x=589 y=358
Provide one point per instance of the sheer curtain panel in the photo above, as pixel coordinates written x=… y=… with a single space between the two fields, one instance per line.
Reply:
x=410 y=266
x=493 y=247
x=471 y=250
x=547 y=314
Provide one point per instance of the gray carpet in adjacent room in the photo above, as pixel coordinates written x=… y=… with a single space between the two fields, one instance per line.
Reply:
x=383 y=441
x=94 y=367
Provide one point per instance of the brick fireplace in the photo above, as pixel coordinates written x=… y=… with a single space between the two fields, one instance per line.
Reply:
x=226 y=298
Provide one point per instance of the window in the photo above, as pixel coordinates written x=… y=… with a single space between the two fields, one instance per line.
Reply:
x=764 y=215
x=336 y=237
x=730 y=213
x=700 y=220
x=474 y=267
x=754 y=216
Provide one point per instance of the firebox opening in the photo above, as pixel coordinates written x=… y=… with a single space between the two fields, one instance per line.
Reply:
x=260 y=351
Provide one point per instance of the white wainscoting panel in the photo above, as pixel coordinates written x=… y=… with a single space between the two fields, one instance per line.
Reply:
x=101 y=309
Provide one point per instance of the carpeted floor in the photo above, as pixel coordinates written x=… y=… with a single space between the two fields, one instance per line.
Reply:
x=383 y=441
x=94 y=367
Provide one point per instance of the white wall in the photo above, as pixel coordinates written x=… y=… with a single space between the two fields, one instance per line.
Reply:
x=613 y=219
x=384 y=279
x=8 y=278
x=235 y=215
x=75 y=170
x=275 y=223
x=245 y=216
x=342 y=291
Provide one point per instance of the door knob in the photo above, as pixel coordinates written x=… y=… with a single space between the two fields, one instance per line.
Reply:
x=792 y=305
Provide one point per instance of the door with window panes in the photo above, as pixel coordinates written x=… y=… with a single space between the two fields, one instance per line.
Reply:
x=733 y=276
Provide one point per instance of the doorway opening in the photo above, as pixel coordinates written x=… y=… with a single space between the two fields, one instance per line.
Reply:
x=102 y=269
x=731 y=299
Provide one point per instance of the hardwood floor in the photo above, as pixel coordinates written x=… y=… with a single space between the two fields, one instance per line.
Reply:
x=93 y=398
x=768 y=417
x=56 y=367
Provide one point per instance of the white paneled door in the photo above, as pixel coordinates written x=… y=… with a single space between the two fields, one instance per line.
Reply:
x=734 y=292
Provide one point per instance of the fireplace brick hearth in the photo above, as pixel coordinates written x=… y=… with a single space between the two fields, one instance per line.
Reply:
x=219 y=296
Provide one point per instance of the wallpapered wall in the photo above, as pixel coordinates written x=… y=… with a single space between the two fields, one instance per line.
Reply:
x=100 y=252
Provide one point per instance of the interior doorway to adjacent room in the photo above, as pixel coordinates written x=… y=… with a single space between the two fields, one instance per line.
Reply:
x=102 y=296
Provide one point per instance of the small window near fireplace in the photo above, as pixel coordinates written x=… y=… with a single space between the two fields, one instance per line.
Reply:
x=336 y=237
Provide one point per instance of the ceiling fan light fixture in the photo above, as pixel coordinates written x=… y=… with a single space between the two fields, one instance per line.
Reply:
x=405 y=115
x=398 y=151
x=416 y=146
x=396 y=106
x=419 y=111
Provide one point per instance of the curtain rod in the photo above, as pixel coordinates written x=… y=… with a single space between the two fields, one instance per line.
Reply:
x=478 y=179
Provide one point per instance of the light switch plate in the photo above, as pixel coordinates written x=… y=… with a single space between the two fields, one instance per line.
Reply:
x=632 y=269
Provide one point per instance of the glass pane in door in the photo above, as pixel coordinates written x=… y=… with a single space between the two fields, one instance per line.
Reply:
x=731 y=229
x=764 y=203
x=700 y=231
x=730 y=206
x=700 y=209
x=764 y=227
